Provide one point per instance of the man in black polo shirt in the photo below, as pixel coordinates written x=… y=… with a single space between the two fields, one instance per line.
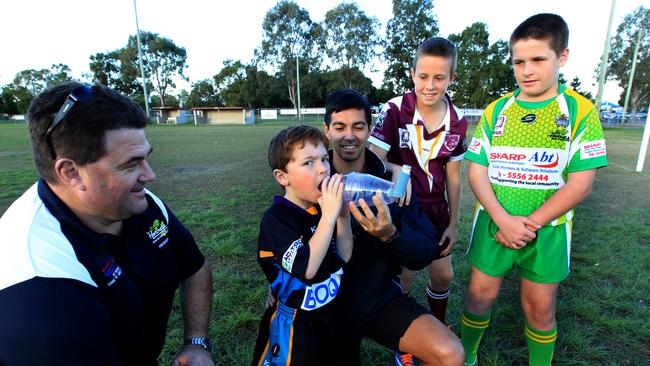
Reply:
x=385 y=239
x=89 y=259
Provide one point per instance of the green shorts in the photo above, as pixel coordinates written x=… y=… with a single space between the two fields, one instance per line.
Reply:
x=545 y=259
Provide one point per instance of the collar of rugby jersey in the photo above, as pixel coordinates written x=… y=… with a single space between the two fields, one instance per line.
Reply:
x=373 y=165
x=446 y=121
x=97 y=242
x=313 y=210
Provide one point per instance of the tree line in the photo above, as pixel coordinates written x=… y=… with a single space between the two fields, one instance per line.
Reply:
x=329 y=54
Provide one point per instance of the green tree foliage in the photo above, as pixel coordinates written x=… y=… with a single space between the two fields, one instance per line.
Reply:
x=107 y=70
x=350 y=38
x=245 y=85
x=484 y=71
x=32 y=80
x=412 y=22
x=288 y=32
x=162 y=59
x=27 y=84
x=15 y=99
x=57 y=74
x=37 y=80
x=316 y=85
x=576 y=85
x=203 y=94
x=620 y=59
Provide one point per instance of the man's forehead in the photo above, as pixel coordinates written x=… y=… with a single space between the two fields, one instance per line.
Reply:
x=351 y=115
x=126 y=139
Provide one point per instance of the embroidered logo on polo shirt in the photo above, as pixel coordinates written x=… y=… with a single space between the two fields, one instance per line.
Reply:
x=111 y=270
x=157 y=231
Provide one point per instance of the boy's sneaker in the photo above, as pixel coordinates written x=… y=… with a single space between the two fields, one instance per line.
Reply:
x=403 y=359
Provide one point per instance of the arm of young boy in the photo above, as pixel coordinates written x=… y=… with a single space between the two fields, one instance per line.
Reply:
x=330 y=203
x=576 y=189
x=395 y=169
x=452 y=172
x=344 y=242
x=514 y=231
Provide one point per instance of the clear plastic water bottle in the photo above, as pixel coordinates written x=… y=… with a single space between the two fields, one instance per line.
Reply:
x=360 y=185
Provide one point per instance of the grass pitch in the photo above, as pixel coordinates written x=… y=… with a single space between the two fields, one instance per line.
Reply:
x=218 y=183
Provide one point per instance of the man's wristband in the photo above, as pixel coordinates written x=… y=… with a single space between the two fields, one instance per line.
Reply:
x=393 y=238
x=203 y=342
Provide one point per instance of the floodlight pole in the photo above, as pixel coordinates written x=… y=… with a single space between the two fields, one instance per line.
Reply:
x=644 y=143
x=298 y=86
x=603 y=60
x=629 y=82
x=144 y=79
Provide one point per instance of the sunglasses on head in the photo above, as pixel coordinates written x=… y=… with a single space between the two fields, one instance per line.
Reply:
x=81 y=93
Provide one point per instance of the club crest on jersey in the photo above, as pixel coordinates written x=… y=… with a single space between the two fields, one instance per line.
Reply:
x=157 y=231
x=451 y=141
x=404 y=138
x=499 y=126
x=562 y=121
x=529 y=118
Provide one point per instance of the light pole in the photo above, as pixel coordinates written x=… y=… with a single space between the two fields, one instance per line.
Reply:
x=144 y=79
x=298 y=86
x=603 y=60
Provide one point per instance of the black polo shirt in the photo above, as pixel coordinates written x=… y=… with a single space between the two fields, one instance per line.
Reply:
x=71 y=296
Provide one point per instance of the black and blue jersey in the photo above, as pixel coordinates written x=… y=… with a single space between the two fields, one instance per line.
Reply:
x=300 y=328
x=283 y=246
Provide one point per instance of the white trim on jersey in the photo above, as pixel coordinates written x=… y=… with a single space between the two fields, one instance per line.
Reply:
x=33 y=244
x=160 y=204
x=397 y=101
x=457 y=158
x=375 y=141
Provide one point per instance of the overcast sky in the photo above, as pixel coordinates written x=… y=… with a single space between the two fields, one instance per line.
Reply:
x=39 y=33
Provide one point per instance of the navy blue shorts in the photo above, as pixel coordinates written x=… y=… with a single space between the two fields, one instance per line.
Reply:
x=394 y=319
x=290 y=337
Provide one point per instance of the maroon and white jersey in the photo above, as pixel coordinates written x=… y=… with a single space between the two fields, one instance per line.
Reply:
x=400 y=131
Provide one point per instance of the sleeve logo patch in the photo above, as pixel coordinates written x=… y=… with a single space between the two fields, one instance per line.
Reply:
x=475 y=146
x=404 y=138
x=592 y=149
x=290 y=255
x=379 y=121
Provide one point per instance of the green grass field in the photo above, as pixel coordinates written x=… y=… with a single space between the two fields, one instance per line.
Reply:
x=217 y=181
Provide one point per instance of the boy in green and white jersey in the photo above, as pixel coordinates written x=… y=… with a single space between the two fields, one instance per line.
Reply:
x=533 y=158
